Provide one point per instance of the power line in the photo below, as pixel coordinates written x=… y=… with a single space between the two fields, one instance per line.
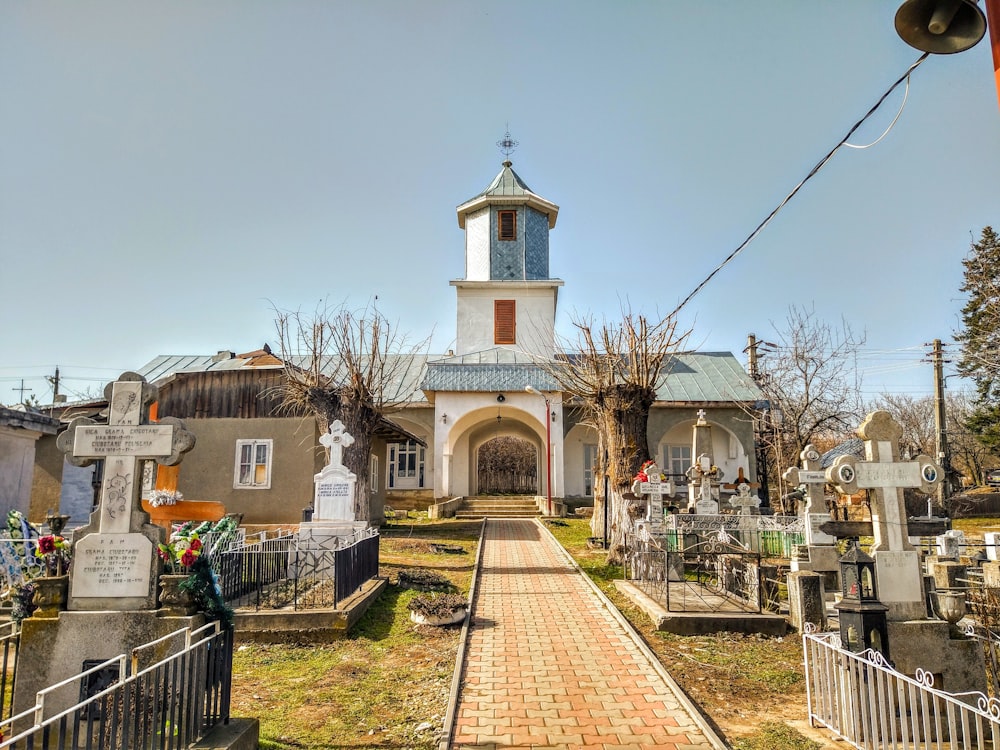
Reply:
x=812 y=173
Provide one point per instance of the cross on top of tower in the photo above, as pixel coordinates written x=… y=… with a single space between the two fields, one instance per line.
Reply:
x=507 y=145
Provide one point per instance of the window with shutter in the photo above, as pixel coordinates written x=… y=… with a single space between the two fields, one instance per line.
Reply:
x=504 y=322
x=506 y=225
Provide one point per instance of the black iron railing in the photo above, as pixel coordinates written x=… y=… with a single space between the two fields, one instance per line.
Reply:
x=120 y=704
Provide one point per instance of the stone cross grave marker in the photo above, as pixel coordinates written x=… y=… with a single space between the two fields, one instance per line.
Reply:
x=703 y=473
x=114 y=558
x=814 y=478
x=333 y=499
x=743 y=500
x=654 y=488
x=897 y=563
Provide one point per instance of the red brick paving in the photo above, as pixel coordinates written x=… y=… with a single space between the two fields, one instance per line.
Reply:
x=548 y=666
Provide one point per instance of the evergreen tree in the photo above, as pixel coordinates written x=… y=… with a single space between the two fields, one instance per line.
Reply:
x=980 y=335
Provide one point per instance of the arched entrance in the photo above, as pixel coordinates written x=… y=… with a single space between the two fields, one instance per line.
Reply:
x=507 y=465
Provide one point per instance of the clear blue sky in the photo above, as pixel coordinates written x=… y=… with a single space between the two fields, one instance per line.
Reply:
x=171 y=172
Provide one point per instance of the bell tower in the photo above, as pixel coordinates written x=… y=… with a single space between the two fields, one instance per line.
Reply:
x=507 y=299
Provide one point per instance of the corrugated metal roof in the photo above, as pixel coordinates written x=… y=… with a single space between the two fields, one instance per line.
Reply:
x=496 y=356
x=707 y=376
x=850 y=447
x=696 y=377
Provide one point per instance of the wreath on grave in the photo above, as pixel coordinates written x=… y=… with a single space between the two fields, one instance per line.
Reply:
x=185 y=553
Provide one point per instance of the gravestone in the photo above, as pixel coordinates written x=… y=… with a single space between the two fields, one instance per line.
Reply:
x=820 y=554
x=916 y=641
x=704 y=487
x=951 y=544
x=654 y=488
x=333 y=517
x=743 y=501
x=111 y=607
x=114 y=555
x=897 y=563
x=333 y=498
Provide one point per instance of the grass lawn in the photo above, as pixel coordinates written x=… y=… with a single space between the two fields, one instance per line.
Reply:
x=387 y=685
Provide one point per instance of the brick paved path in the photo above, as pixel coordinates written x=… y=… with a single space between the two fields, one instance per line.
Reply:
x=547 y=666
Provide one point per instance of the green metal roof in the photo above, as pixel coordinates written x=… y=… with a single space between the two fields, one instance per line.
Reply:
x=508 y=187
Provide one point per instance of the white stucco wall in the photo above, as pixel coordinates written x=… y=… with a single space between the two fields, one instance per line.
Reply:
x=464 y=421
x=535 y=315
x=477 y=246
x=573 y=447
x=17 y=465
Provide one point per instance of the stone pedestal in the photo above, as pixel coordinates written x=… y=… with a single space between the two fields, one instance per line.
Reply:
x=821 y=559
x=55 y=649
x=956 y=663
x=806 y=600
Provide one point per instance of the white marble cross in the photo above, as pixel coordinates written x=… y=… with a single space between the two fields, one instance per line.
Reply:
x=123 y=442
x=336 y=440
x=654 y=489
x=887 y=476
x=814 y=478
x=897 y=564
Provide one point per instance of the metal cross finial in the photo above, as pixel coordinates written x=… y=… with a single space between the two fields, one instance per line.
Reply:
x=507 y=144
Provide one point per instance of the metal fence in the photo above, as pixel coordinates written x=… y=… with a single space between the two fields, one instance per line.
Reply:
x=284 y=571
x=164 y=706
x=864 y=701
x=710 y=576
x=10 y=641
x=770 y=536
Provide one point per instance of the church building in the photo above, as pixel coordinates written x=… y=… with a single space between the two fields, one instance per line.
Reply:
x=492 y=390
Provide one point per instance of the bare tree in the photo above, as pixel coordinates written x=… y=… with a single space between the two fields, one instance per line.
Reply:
x=810 y=380
x=612 y=375
x=347 y=365
x=969 y=455
x=915 y=416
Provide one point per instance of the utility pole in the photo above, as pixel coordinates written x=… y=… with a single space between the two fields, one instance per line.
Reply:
x=940 y=420
x=54 y=381
x=752 y=356
x=763 y=427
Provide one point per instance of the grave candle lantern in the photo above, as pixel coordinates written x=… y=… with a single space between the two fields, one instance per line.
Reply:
x=863 y=622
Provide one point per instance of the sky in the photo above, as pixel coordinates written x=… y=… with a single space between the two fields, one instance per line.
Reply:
x=172 y=174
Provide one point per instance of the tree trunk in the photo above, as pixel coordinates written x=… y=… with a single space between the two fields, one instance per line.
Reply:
x=625 y=415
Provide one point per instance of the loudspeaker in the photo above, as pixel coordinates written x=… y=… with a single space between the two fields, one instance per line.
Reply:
x=942 y=27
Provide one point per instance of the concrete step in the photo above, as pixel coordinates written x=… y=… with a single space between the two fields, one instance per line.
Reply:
x=471 y=514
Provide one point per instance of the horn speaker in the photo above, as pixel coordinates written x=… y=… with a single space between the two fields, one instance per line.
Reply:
x=942 y=27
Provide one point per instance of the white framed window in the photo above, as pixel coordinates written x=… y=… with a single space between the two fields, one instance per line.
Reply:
x=253 y=464
x=406 y=465
x=676 y=459
x=373 y=474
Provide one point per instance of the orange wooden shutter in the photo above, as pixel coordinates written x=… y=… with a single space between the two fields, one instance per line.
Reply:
x=504 y=321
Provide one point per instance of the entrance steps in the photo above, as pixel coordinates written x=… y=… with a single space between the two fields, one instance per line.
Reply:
x=498 y=506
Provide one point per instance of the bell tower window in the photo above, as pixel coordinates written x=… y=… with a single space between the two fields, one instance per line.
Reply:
x=504 y=321
x=506 y=225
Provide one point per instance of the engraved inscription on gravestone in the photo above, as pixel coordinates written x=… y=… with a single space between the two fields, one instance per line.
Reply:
x=112 y=565
x=114 y=560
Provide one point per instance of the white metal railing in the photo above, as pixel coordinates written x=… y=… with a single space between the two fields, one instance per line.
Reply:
x=864 y=701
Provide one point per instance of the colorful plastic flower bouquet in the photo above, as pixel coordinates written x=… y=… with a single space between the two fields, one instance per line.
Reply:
x=180 y=553
x=55 y=551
